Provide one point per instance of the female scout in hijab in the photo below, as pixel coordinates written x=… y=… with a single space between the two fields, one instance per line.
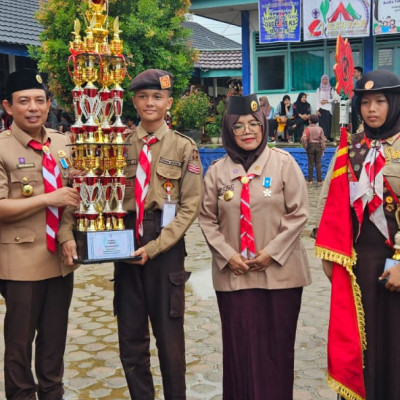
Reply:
x=254 y=208
x=374 y=179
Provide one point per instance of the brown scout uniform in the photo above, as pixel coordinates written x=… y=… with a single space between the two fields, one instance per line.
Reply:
x=36 y=285
x=156 y=290
x=381 y=306
x=23 y=242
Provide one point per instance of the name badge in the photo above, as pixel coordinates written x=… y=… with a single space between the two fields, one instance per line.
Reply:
x=29 y=165
x=168 y=213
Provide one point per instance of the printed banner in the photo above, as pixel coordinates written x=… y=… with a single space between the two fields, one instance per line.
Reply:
x=330 y=18
x=386 y=14
x=279 y=20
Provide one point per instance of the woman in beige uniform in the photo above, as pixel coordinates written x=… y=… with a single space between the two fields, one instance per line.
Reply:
x=254 y=208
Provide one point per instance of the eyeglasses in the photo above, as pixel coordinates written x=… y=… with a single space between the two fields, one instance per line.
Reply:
x=240 y=129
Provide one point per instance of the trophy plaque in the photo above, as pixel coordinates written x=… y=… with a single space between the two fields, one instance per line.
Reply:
x=98 y=140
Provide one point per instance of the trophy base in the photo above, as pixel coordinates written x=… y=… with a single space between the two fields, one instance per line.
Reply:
x=105 y=260
x=104 y=246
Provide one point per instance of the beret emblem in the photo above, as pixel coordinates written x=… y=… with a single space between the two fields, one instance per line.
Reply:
x=165 y=82
x=369 y=85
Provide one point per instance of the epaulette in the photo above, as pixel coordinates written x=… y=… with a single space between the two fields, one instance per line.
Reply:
x=280 y=151
x=186 y=137
x=53 y=131
x=218 y=159
x=5 y=134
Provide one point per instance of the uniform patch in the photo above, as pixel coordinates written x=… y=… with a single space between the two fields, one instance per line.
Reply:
x=170 y=162
x=195 y=169
x=131 y=162
x=195 y=156
x=225 y=189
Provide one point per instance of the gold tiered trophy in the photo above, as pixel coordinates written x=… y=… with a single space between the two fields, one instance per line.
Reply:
x=99 y=139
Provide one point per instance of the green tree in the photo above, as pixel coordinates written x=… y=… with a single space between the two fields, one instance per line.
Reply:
x=151 y=30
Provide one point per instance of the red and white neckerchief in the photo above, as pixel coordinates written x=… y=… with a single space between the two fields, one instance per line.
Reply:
x=142 y=182
x=52 y=181
x=370 y=189
x=247 y=244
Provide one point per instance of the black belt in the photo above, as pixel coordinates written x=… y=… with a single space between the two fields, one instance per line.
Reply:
x=149 y=214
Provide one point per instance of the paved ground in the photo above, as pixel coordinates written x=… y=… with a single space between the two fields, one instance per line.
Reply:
x=93 y=369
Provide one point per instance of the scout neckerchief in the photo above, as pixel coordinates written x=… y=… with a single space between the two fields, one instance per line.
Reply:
x=247 y=244
x=370 y=188
x=52 y=181
x=142 y=182
x=346 y=333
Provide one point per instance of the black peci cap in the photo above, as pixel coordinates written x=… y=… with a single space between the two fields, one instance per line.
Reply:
x=152 y=79
x=23 y=79
x=379 y=81
x=242 y=105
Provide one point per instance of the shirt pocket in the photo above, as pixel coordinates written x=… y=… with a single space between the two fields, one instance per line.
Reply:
x=20 y=178
x=17 y=236
x=130 y=173
x=171 y=174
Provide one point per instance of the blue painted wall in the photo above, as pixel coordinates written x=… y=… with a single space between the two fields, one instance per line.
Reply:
x=207 y=156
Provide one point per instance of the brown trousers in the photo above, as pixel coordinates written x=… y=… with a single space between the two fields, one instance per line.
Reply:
x=40 y=308
x=155 y=292
x=314 y=156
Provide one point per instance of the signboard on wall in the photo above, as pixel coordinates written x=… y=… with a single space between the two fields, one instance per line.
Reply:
x=331 y=18
x=279 y=21
x=386 y=16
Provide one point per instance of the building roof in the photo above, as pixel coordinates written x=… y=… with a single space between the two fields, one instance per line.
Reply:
x=219 y=60
x=215 y=51
x=17 y=22
x=204 y=39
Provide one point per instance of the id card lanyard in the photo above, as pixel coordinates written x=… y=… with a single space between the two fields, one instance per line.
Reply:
x=169 y=207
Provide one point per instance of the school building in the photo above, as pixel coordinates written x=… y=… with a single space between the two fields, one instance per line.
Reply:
x=275 y=69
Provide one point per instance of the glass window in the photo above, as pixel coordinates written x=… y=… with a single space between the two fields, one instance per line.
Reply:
x=271 y=73
x=307 y=68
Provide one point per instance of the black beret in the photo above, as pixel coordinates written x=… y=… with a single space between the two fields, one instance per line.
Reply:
x=152 y=79
x=23 y=79
x=243 y=105
x=379 y=81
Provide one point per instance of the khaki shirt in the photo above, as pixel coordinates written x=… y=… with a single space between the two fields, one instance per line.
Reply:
x=278 y=213
x=23 y=250
x=175 y=158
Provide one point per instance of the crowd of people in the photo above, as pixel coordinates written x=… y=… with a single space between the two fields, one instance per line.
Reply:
x=252 y=206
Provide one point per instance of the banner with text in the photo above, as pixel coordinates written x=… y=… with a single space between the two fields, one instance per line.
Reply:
x=386 y=14
x=279 y=21
x=330 y=18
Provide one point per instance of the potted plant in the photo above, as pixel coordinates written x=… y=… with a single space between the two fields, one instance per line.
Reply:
x=214 y=127
x=190 y=114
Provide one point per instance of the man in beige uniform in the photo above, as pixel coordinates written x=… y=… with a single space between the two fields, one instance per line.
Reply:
x=37 y=288
x=153 y=288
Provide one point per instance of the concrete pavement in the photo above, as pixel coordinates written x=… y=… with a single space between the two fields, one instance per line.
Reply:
x=92 y=366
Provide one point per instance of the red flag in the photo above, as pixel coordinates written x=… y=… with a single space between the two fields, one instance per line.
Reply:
x=346 y=334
